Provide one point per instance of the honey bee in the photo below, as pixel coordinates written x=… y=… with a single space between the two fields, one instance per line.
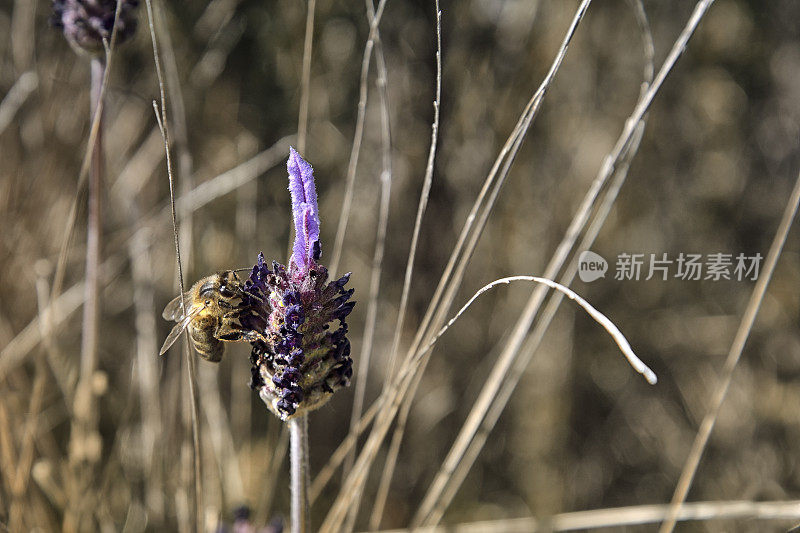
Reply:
x=213 y=307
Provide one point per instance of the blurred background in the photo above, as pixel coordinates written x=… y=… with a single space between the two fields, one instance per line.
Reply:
x=583 y=431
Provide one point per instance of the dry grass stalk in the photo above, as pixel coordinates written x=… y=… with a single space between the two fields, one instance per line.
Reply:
x=734 y=354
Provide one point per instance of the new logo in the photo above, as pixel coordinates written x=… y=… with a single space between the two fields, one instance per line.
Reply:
x=591 y=266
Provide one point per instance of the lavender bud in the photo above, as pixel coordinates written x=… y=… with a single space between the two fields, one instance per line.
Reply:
x=86 y=23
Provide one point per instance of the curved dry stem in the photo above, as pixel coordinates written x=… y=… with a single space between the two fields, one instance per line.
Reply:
x=467 y=240
x=531 y=345
x=596 y=315
x=511 y=352
x=535 y=337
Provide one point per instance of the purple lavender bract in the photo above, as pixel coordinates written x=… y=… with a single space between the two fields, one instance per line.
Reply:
x=305 y=212
x=302 y=361
x=86 y=23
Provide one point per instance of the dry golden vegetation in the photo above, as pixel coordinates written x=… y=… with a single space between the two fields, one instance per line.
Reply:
x=570 y=427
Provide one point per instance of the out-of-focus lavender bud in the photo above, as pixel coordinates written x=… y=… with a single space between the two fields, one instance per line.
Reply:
x=302 y=359
x=242 y=523
x=86 y=23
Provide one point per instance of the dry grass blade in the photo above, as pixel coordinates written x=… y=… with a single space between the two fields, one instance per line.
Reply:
x=531 y=345
x=338 y=456
x=627 y=516
x=380 y=246
x=161 y=117
x=146 y=347
x=416 y=362
x=305 y=81
x=423 y=201
x=281 y=445
x=735 y=353
x=450 y=280
x=179 y=140
x=535 y=337
x=425 y=514
x=94 y=132
x=358 y=137
x=598 y=317
x=394 y=447
x=57 y=311
x=23 y=34
x=234 y=178
x=218 y=435
x=16 y=96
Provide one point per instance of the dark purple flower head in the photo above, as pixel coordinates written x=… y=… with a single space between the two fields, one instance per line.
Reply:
x=301 y=359
x=86 y=23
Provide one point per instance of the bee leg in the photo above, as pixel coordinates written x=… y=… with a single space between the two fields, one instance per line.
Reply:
x=233 y=333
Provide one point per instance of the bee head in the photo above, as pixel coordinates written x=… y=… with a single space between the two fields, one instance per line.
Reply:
x=228 y=283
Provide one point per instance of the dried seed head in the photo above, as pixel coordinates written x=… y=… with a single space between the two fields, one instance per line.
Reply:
x=86 y=23
x=303 y=359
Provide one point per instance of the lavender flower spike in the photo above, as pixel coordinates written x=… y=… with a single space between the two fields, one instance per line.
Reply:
x=304 y=211
x=302 y=356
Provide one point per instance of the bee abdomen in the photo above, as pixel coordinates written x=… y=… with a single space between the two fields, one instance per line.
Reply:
x=208 y=346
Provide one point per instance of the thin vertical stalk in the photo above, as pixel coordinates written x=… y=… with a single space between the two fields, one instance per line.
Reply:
x=394 y=447
x=358 y=136
x=91 y=310
x=377 y=258
x=735 y=353
x=83 y=403
x=298 y=459
x=305 y=84
x=163 y=123
x=147 y=371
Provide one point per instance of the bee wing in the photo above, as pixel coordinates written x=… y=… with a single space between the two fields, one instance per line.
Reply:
x=178 y=329
x=173 y=309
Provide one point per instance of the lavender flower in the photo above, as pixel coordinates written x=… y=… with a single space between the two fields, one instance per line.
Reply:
x=86 y=23
x=301 y=360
